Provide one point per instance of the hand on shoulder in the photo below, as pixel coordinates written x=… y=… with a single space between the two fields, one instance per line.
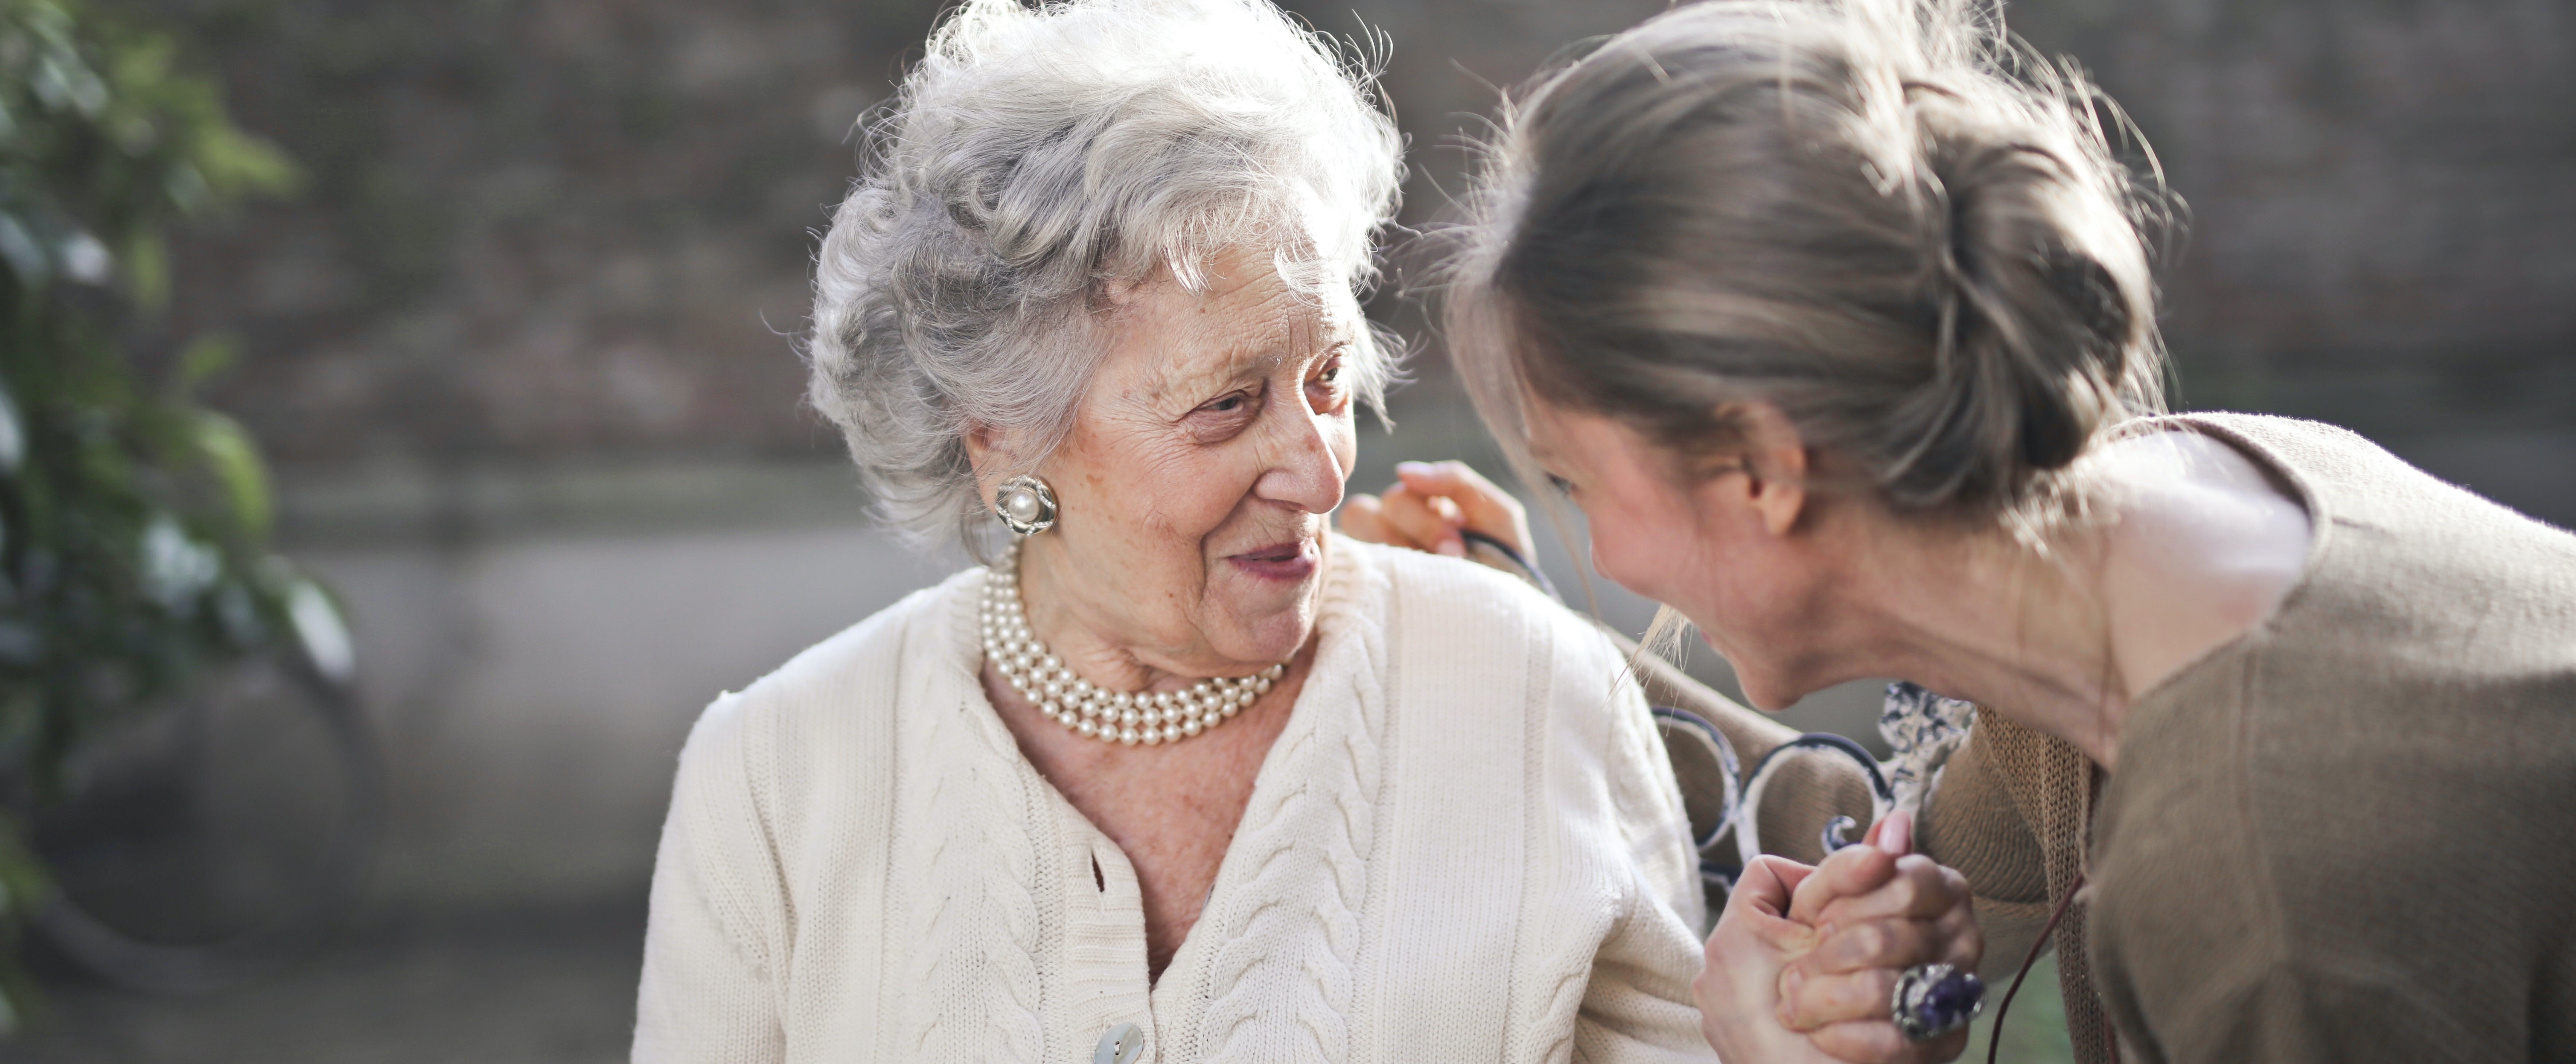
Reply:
x=1437 y=507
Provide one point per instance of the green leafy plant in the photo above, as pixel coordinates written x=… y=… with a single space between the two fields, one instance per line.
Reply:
x=134 y=521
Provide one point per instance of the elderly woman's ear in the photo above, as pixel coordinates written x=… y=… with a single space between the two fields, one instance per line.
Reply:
x=988 y=451
x=983 y=447
x=1112 y=293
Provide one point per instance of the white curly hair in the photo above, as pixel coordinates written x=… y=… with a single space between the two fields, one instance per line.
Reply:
x=1038 y=157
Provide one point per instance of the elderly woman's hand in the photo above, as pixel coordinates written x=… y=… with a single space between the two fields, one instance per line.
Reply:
x=1804 y=961
x=1429 y=507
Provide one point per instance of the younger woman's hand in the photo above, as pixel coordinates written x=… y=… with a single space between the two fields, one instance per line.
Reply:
x=1430 y=504
x=1877 y=909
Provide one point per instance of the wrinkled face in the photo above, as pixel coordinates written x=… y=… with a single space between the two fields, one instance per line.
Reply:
x=1202 y=463
x=1695 y=545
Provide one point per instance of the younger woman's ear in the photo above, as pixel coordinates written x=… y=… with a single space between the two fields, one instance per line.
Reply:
x=1775 y=464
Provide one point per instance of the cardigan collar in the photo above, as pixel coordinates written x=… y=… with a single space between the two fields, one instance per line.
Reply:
x=1284 y=905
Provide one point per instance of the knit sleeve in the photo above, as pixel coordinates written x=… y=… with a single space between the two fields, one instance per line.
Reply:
x=1971 y=824
x=710 y=991
x=1638 y=1004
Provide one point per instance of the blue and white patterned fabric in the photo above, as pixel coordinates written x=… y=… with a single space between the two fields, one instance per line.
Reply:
x=1923 y=729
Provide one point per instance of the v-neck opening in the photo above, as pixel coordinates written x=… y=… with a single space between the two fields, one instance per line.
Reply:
x=1333 y=633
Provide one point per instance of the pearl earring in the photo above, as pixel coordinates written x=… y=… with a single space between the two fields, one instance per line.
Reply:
x=1026 y=504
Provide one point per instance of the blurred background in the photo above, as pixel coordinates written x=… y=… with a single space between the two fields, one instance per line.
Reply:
x=517 y=345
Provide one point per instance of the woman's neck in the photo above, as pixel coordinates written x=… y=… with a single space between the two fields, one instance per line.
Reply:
x=1060 y=610
x=1985 y=618
x=2192 y=547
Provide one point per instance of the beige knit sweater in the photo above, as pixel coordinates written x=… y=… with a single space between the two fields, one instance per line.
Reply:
x=1466 y=846
x=2340 y=837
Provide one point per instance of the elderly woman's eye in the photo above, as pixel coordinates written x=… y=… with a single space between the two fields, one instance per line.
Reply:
x=1327 y=386
x=1562 y=485
x=1220 y=418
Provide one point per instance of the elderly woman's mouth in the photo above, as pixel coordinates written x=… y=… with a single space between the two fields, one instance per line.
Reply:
x=1292 y=560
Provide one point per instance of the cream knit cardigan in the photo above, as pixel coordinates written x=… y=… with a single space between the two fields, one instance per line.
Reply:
x=1466 y=846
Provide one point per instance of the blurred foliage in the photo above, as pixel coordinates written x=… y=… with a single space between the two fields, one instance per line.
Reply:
x=2034 y=1029
x=133 y=520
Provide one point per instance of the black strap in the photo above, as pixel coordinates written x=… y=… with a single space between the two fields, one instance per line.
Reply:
x=1995 y=1036
x=1532 y=572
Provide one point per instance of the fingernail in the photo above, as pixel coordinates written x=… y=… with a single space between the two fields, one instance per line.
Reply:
x=1453 y=548
x=1896 y=837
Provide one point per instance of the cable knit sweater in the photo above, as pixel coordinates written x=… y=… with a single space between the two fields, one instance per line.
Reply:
x=1465 y=846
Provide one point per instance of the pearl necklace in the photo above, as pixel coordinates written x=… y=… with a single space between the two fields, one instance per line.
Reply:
x=1109 y=716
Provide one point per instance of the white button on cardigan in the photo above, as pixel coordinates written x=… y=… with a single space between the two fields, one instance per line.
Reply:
x=1119 y=1046
x=1465 y=845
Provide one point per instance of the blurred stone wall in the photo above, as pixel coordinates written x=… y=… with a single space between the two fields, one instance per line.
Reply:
x=532 y=229
x=2382 y=200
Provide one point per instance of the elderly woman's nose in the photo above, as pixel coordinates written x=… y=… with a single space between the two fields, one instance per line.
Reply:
x=1306 y=467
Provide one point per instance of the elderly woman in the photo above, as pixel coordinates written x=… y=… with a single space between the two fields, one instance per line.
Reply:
x=1178 y=775
x=1837 y=323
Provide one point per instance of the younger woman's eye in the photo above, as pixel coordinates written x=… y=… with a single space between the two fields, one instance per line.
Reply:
x=1562 y=485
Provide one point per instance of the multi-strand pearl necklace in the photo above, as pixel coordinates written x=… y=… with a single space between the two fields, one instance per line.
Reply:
x=1109 y=716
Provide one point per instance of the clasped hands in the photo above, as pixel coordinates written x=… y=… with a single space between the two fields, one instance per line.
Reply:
x=1804 y=961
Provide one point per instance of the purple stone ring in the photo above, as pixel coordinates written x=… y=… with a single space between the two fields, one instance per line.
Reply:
x=1932 y=1000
